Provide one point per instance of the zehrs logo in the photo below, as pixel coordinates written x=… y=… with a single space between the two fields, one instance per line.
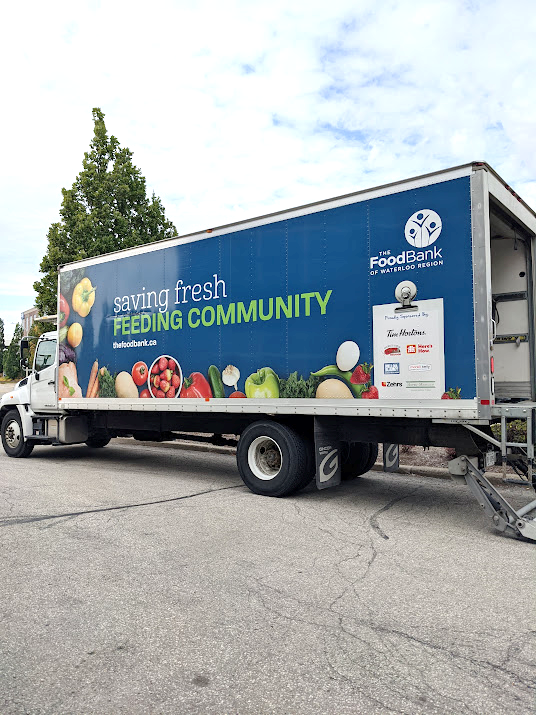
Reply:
x=391 y=384
x=422 y=229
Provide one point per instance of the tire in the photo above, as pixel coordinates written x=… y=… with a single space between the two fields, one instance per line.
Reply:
x=13 y=436
x=274 y=460
x=98 y=441
x=359 y=459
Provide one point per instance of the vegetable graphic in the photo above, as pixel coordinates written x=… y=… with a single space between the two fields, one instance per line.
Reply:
x=298 y=387
x=106 y=383
x=69 y=279
x=145 y=393
x=347 y=355
x=125 y=386
x=361 y=374
x=196 y=386
x=74 y=335
x=66 y=354
x=237 y=394
x=93 y=385
x=263 y=384
x=64 y=311
x=346 y=377
x=452 y=394
x=215 y=381
x=139 y=373
x=333 y=389
x=371 y=393
x=231 y=376
x=83 y=297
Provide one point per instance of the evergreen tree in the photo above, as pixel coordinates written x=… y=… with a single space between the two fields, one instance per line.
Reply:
x=2 y=345
x=106 y=209
x=12 y=356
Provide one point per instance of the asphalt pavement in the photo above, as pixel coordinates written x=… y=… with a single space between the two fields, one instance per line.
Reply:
x=144 y=579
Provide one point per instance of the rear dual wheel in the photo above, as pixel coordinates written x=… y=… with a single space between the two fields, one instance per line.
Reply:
x=358 y=458
x=274 y=460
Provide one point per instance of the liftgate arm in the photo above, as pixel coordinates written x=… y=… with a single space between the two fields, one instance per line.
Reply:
x=504 y=516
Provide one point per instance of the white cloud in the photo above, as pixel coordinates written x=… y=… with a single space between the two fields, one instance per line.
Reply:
x=240 y=108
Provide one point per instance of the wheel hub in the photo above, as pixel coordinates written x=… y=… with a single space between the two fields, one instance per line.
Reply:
x=12 y=434
x=264 y=458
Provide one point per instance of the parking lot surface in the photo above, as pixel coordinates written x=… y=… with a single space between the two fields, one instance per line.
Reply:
x=142 y=578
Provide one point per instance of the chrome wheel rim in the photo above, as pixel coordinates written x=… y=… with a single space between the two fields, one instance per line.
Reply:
x=13 y=434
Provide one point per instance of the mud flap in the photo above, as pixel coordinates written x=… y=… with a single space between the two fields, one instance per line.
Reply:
x=391 y=457
x=327 y=453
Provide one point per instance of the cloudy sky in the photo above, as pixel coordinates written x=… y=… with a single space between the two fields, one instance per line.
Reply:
x=238 y=108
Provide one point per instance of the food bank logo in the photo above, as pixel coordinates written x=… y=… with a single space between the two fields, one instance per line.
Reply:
x=423 y=228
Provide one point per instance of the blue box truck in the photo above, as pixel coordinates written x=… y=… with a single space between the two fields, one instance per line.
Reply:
x=399 y=315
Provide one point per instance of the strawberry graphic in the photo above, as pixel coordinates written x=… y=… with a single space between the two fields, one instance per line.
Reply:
x=452 y=394
x=371 y=393
x=361 y=374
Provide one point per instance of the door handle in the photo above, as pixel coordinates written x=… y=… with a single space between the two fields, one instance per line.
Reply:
x=493 y=330
x=52 y=382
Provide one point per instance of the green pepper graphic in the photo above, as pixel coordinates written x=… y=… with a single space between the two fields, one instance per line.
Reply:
x=263 y=383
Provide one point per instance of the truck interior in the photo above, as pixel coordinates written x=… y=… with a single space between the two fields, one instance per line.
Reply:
x=512 y=276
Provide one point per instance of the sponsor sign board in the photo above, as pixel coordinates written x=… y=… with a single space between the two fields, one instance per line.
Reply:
x=416 y=333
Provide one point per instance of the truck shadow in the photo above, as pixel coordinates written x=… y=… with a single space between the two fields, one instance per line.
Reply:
x=408 y=498
x=141 y=458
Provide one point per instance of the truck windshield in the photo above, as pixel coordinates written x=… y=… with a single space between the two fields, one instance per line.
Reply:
x=45 y=355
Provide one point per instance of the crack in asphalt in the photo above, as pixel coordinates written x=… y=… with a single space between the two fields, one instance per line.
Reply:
x=337 y=626
x=11 y=521
x=373 y=520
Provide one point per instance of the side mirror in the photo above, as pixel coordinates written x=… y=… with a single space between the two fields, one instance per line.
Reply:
x=24 y=352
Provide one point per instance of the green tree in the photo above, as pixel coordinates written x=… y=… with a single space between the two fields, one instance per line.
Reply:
x=11 y=355
x=2 y=345
x=106 y=209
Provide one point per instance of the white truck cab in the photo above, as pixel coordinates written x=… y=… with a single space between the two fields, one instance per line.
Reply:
x=30 y=414
x=42 y=379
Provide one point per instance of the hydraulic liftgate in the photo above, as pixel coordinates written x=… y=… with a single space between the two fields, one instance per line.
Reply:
x=520 y=455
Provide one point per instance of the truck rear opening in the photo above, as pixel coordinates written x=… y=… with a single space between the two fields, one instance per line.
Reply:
x=512 y=270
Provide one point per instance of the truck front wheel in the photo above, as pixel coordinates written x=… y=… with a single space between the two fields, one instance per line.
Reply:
x=358 y=459
x=98 y=440
x=13 y=436
x=273 y=459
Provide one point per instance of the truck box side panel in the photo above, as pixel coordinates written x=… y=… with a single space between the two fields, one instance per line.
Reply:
x=286 y=295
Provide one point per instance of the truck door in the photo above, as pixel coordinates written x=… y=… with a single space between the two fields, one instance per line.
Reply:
x=43 y=378
x=513 y=306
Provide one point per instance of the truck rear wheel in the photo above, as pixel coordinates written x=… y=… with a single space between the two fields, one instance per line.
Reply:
x=13 y=436
x=359 y=458
x=274 y=460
